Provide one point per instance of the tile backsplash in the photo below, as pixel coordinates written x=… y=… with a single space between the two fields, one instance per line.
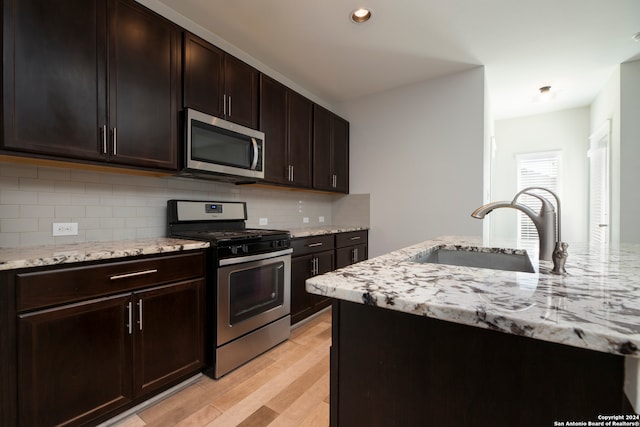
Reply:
x=115 y=206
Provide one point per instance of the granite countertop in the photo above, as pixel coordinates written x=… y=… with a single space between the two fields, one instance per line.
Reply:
x=92 y=251
x=595 y=306
x=11 y=259
x=328 y=229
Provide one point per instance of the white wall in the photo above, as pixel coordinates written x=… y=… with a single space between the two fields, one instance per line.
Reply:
x=567 y=131
x=418 y=152
x=607 y=106
x=630 y=152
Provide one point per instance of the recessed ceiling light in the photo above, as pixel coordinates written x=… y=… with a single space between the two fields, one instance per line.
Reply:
x=361 y=15
x=545 y=89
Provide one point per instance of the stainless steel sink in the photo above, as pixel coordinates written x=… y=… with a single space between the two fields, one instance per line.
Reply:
x=471 y=258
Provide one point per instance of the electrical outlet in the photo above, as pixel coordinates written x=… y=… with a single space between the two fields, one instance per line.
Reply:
x=65 y=228
x=320 y=219
x=305 y=220
x=264 y=221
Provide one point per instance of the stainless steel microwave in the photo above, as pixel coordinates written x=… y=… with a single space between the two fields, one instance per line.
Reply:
x=218 y=149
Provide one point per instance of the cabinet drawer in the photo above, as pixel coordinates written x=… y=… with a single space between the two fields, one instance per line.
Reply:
x=51 y=287
x=351 y=238
x=309 y=245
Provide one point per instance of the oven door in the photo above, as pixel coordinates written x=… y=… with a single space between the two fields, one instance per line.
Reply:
x=252 y=291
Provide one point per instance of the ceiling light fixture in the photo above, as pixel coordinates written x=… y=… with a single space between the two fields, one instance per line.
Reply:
x=545 y=93
x=361 y=15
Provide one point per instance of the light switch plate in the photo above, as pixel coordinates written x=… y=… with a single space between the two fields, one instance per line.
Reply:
x=65 y=228
x=320 y=219
x=305 y=220
x=263 y=221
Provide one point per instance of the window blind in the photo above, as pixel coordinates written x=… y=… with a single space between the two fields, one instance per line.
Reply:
x=536 y=170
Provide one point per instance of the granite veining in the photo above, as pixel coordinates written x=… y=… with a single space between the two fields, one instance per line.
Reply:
x=595 y=306
x=92 y=251
x=320 y=231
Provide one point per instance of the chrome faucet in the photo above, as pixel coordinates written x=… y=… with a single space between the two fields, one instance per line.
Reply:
x=546 y=221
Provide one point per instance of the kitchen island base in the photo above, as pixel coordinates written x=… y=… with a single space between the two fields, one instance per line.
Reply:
x=390 y=368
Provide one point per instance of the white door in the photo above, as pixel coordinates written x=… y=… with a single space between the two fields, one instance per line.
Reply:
x=599 y=226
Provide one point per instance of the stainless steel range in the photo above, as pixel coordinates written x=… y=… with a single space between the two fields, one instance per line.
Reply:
x=249 y=280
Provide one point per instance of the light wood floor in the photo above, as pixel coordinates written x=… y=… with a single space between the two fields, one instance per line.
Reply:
x=287 y=386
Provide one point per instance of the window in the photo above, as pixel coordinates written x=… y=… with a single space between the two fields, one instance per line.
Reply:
x=537 y=170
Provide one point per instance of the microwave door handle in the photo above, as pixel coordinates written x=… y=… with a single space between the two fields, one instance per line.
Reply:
x=255 y=154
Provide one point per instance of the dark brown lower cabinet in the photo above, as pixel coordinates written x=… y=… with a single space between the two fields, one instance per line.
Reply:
x=396 y=369
x=351 y=247
x=318 y=255
x=80 y=362
x=73 y=362
x=304 y=304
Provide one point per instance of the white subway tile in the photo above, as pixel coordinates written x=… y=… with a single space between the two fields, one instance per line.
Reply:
x=54 y=174
x=9 y=211
x=9 y=240
x=18 y=225
x=36 y=211
x=54 y=198
x=36 y=239
x=11 y=197
x=70 y=211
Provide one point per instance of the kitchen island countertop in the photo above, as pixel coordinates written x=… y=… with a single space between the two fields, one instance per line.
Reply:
x=595 y=306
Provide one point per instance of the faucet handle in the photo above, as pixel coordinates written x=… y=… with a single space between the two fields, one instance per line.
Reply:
x=559 y=257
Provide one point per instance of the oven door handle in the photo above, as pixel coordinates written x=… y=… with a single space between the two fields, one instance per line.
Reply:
x=258 y=257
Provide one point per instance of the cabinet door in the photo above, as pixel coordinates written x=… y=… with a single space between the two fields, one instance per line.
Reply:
x=203 y=76
x=169 y=334
x=300 y=298
x=241 y=87
x=54 y=77
x=273 y=122
x=350 y=255
x=143 y=79
x=340 y=153
x=300 y=119
x=74 y=362
x=304 y=304
x=322 y=176
x=330 y=151
x=325 y=264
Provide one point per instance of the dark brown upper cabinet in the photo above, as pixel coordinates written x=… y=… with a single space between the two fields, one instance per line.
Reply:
x=330 y=151
x=219 y=84
x=91 y=80
x=286 y=119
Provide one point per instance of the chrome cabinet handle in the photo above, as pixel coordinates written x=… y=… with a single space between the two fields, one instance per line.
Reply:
x=229 y=105
x=354 y=258
x=291 y=173
x=104 y=139
x=224 y=104
x=314 y=266
x=115 y=141
x=355 y=238
x=314 y=245
x=140 y=314
x=130 y=316
x=334 y=181
x=137 y=273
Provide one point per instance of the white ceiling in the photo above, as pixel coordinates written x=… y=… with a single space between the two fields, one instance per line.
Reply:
x=572 y=45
